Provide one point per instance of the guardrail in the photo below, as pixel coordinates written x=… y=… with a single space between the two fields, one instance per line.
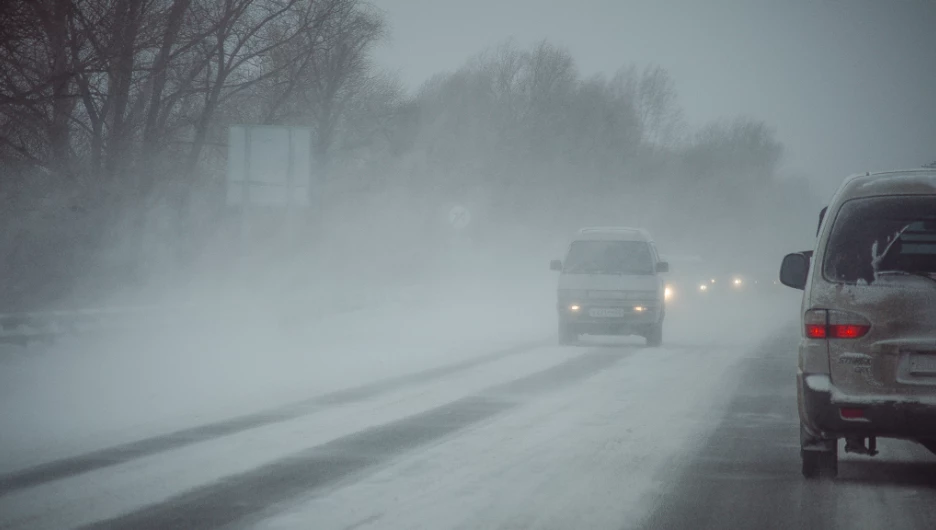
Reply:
x=26 y=328
x=48 y=326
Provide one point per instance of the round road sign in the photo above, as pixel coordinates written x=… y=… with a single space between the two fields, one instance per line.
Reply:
x=459 y=217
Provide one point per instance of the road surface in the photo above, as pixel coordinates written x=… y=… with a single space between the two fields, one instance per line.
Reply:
x=609 y=434
x=746 y=475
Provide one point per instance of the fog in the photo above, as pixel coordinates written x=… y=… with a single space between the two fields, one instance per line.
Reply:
x=721 y=128
x=846 y=84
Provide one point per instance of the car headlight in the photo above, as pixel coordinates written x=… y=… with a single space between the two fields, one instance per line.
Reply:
x=667 y=293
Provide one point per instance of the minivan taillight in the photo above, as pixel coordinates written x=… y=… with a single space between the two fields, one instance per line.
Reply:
x=816 y=322
x=848 y=331
x=831 y=324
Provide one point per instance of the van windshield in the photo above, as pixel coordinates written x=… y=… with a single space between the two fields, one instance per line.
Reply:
x=609 y=257
x=882 y=235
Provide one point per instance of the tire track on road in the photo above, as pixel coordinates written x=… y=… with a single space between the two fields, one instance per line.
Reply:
x=119 y=454
x=250 y=495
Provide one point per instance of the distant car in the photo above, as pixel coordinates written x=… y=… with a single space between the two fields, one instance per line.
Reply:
x=697 y=289
x=609 y=284
x=700 y=280
x=867 y=358
x=682 y=287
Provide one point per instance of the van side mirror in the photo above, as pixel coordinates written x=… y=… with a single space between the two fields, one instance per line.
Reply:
x=794 y=270
x=662 y=266
x=555 y=265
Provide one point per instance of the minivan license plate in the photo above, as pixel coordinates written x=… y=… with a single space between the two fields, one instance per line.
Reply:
x=606 y=312
x=923 y=364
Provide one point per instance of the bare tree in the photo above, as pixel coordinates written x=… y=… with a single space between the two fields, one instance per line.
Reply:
x=340 y=69
x=728 y=162
x=655 y=100
x=168 y=48
x=126 y=94
x=235 y=52
x=35 y=83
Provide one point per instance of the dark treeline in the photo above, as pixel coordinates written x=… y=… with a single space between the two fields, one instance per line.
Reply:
x=114 y=115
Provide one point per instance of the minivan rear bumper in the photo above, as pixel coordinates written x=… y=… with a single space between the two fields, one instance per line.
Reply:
x=821 y=409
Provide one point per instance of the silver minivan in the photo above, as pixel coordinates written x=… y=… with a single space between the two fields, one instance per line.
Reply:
x=610 y=284
x=867 y=356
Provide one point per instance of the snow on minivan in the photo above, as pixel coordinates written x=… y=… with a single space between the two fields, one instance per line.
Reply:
x=867 y=356
x=609 y=284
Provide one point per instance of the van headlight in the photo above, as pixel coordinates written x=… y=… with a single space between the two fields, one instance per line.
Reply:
x=667 y=293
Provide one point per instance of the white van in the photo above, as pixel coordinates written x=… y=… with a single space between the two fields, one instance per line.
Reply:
x=609 y=284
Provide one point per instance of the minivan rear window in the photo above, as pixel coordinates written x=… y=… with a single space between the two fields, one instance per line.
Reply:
x=872 y=236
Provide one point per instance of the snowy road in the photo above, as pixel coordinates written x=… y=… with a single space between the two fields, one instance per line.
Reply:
x=610 y=434
x=746 y=475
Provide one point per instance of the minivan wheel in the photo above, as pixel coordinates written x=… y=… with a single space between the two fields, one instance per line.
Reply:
x=654 y=336
x=567 y=334
x=820 y=464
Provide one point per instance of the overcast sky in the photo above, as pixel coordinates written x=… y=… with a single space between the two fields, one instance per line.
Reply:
x=849 y=85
